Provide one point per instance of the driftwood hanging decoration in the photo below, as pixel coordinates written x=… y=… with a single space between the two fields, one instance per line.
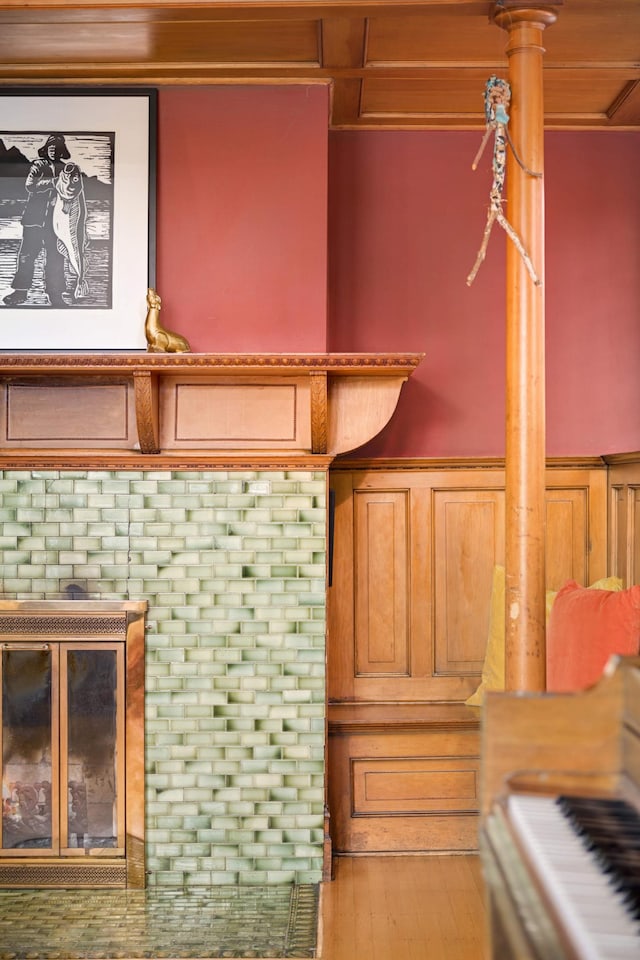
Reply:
x=497 y=96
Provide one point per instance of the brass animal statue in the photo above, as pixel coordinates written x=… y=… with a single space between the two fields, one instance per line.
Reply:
x=160 y=340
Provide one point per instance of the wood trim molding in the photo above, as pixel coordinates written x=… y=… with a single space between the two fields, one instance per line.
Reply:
x=116 y=460
x=348 y=464
x=208 y=363
x=615 y=459
x=346 y=719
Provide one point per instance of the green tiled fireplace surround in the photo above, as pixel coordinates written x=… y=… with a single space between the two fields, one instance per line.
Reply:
x=232 y=565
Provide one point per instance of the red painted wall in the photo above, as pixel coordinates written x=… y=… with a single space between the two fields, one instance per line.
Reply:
x=244 y=177
x=406 y=219
x=242 y=216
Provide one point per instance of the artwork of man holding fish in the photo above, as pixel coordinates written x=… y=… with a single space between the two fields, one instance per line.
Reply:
x=56 y=218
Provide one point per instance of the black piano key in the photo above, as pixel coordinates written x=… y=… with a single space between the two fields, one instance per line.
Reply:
x=610 y=829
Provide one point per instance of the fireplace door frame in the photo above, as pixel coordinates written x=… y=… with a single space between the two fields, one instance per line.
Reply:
x=62 y=627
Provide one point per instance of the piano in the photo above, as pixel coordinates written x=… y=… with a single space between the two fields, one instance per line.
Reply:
x=560 y=820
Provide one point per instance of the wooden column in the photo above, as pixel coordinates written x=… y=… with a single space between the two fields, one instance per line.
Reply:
x=525 y=380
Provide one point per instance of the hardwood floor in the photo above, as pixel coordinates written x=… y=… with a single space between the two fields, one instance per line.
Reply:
x=386 y=908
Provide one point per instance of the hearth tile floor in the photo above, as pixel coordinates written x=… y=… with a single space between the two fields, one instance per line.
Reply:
x=227 y=921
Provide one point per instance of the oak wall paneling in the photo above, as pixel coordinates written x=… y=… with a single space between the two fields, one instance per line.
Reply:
x=414 y=552
x=408 y=616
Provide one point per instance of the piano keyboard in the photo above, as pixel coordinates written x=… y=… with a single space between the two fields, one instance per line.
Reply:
x=597 y=918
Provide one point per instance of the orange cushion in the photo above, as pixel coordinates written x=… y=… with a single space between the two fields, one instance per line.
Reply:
x=586 y=627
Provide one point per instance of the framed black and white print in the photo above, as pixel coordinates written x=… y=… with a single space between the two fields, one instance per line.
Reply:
x=77 y=217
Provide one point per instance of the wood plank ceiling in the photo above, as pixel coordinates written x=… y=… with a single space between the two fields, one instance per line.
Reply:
x=391 y=63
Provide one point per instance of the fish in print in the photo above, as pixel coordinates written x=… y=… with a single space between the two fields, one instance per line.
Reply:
x=69 y=223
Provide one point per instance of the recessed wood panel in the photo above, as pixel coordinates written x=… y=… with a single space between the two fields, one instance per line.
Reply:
x=419 y=785
x=633 y=573
x=618 y=532
x=469 y=541
x=381 y=583
x=249 y=412
x=571 y=92
x=445 y=35
x=589 y=31
x=223 y=413
x=63 y=414
x=566 y=546
x=201 y=41
x=624 y=520
x=569 y=95
x=425 y=96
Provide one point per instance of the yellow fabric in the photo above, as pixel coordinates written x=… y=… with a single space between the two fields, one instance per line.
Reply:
x=493 y=667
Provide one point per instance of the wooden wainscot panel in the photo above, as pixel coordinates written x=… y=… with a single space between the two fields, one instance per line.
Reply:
x=403 y=777
x=414 y=552
x=403 y=750
x=233 y=413
x=624 y=519
x=67 y=412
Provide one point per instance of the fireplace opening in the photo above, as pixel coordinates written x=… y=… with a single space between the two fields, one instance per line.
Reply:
x=72 y=737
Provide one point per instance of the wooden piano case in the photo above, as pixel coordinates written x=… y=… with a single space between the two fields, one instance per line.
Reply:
x=585 y=744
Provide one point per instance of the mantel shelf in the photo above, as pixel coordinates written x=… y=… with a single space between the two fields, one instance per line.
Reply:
x=189 y=405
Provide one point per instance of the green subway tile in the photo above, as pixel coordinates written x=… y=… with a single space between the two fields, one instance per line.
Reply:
x=223 y=877
x=25 y=557
x=170 y=878
x=231 y=663
x=29 y=514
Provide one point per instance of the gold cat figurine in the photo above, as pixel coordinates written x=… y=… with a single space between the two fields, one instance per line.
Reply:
x=160 y=340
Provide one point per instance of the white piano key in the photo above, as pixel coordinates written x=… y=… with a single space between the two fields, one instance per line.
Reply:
x=592 y=912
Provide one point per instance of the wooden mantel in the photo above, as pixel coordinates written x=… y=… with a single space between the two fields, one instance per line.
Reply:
x=59 y=408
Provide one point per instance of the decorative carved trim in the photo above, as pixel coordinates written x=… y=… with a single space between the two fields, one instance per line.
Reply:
x=119 y=460
x=94 y=626
x=178 y=363
x=63 y=875
x=319 y=412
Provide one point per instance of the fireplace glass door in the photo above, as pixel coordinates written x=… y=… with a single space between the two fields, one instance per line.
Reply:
x=62 y=740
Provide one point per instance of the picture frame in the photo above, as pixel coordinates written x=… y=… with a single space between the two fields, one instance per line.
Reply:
x=77 y=217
